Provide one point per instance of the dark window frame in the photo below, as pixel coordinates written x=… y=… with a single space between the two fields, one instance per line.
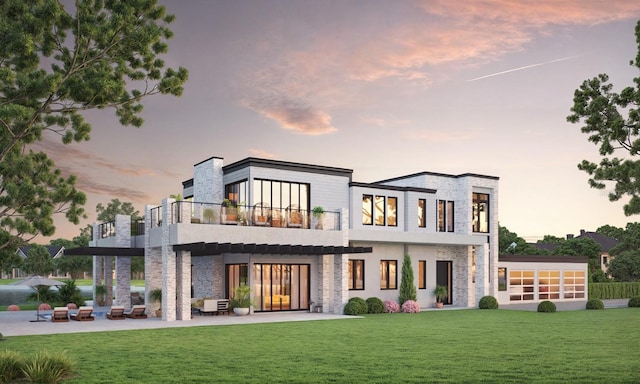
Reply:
x=353 y=278
x=371 y=220
x=387 y=264
x=422 y=210
x=480 y=199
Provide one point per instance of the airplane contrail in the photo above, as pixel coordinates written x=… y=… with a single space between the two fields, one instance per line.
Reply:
x=525 y=67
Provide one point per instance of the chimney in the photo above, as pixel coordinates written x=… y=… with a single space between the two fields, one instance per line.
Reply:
x=582 y=232
x=569 y=236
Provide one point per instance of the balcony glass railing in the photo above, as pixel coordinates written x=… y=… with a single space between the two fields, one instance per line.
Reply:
x=258 y=215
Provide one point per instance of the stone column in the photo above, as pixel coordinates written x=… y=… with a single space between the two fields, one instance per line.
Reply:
x=340 y=282
x=168 y=265
x=98 y=264
x=218 y=277
x=482 y=272
x=203 y=275
x=325 y=282
x=123 y=263
x=152 y=264
x=183 y=288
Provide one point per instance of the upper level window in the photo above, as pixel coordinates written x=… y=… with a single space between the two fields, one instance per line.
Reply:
x=367 y=209
x=281 y=194
x=237 y=192
x=422 y=213
x=481 y=212
x=381 y=210
x=445 y=216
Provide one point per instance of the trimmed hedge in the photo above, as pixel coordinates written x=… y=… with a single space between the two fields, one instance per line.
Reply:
x=595 y=304
x=488 y=302
x=634 y=302
x=617 y=290
x=356 y=306
x=546 y=306
x=375 y=305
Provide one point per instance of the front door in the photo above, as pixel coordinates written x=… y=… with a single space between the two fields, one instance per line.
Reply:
x=443 y=277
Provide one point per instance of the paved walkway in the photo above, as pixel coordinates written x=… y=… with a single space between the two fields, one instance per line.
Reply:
x=21 y=322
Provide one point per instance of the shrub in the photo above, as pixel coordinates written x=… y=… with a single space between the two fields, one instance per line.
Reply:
x=546 y=306
x=634 y=302
x=48 y=368
x=11 y=364
x=410 y=306
x=488 y=302
x=595 y=304
x=375 y=305
x=72 y=306
x=391 y=306
x=361 y=305
x=13 y=307
x=44 y=307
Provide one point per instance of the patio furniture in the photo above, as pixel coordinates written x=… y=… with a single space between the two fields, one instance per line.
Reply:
x=83 y=314
x=223 y=307
x=116 y=313
x=209 y=307
x=60 y=314
x=137 y=312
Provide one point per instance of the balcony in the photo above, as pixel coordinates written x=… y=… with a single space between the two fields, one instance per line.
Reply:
x=258 y=215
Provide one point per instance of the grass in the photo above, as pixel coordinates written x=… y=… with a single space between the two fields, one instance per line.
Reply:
x=465 y=346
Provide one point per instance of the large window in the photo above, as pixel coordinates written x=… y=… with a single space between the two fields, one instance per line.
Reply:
x=356 y=274
x=521 y=285
x=480 y=212
x=422 y=274
x=422 y=213
x=388 y=274
x=573 y=284
x=281 y=194
x=502 y=279
x=381 y=210
x=548 y=285
x=445 y=216
x=237 y=192
x=367 y=209
x=281 y=287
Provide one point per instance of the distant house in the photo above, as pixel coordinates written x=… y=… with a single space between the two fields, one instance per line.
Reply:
x=16 y=273
x=606 y=243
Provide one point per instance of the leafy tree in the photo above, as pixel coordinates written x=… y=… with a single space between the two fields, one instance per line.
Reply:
x=611 y=231
x=38 y=261
x=115 y=207
x=510 y=243
x=582 y=246
x=407 y=285
x=56 y=63
x=603 y=114
x=75 y=265
x=625 y=266
x=44 y=293
x=10 y=261
x=629 y=239
x=550 y=239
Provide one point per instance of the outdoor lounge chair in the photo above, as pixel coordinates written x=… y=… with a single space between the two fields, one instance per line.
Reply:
x=83 y=314
x=137 y=312
x=223 y=307
x=60 y=314
x=116 y=313
x=209 y=307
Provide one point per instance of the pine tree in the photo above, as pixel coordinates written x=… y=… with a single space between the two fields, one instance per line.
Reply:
x=407 y=286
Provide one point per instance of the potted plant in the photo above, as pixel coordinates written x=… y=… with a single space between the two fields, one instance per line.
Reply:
x=241 y=300
x=208 y=215
x=318 y=215
x=441 y=292
x=155 y=296
x=229 y=211
x=101 y=294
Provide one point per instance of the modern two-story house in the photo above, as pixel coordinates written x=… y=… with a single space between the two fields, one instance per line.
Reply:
x=308 y=237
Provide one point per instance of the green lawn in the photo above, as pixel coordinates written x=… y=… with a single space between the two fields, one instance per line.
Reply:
x=464 y=346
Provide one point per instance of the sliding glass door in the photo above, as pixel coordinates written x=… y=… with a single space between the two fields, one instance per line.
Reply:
x=281 y=287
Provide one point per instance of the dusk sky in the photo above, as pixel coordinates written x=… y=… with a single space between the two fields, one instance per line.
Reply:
x=386 y=88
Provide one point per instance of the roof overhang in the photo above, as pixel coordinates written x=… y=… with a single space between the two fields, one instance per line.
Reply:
x=205 y=249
